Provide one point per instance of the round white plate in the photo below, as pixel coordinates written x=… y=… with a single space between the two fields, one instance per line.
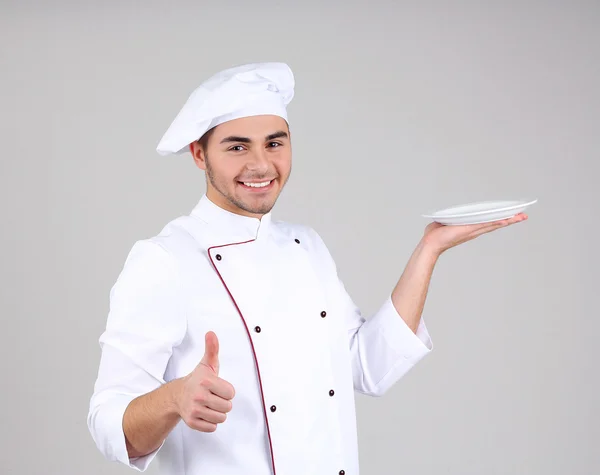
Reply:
x=479 y=212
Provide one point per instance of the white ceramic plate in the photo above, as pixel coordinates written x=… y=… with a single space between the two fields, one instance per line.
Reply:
x=479 y=212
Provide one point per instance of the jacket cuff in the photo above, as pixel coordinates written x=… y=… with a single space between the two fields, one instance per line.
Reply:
x=114 y=445
x=399 y=336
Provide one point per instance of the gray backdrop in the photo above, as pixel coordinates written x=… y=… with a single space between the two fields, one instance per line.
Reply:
x=400 y=108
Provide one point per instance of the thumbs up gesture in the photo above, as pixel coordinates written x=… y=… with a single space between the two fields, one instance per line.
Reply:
x=205 y=399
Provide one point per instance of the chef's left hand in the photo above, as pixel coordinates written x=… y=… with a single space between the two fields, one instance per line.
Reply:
x=439 y=237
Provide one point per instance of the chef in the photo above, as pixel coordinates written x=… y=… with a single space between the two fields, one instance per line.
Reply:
x=231 y=345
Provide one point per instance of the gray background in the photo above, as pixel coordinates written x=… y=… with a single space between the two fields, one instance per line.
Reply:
x=400 y=108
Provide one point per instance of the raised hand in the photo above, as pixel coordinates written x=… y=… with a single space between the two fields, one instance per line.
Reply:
x=441 y=237
x=205 y=399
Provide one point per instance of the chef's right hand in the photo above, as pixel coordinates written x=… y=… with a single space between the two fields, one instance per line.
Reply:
x=205 y=399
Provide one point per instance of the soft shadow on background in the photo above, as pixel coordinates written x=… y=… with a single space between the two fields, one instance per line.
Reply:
x=401 y=108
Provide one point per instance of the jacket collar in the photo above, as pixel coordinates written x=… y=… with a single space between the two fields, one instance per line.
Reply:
x=228 y=225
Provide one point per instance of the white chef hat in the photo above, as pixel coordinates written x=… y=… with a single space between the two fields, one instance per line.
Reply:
x=241 y=91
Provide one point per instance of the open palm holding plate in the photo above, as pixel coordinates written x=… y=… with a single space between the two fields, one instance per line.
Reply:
x=479 y=212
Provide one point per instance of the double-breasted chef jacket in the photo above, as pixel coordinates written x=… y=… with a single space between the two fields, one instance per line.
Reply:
x=291 y=342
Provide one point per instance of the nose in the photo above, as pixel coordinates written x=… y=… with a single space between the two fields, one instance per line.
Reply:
x=258 y=162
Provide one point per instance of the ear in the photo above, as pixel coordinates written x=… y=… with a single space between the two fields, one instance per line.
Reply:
x=198 y=154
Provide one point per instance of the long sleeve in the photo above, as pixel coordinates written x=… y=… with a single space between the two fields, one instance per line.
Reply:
x=383 y=348
x=144 y=324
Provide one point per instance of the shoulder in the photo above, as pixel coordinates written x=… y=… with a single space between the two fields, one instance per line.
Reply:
x=178 y=236
x=160 y=251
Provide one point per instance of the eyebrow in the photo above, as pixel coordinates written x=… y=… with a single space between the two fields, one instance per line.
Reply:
x=277 y=135
x=237 y=138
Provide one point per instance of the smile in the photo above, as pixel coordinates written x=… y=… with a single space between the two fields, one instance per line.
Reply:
x=261 y=184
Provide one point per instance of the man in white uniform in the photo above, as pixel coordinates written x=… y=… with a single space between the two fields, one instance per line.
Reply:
x=231 y=345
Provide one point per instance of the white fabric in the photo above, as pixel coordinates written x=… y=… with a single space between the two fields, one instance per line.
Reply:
x=170 y=293
x=241 y=91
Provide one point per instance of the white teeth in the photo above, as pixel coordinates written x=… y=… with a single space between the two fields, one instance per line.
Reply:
x=258 y=185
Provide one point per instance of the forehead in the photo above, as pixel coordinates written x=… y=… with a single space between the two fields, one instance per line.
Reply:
x=257 y=127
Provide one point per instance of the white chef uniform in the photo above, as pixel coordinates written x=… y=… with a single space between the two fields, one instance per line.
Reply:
x=291 y=342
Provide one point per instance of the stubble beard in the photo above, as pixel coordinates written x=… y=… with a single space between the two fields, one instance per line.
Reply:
x=261 y=208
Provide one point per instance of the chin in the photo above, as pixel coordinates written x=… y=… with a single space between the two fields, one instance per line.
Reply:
x=261 y=209
x=258 y=206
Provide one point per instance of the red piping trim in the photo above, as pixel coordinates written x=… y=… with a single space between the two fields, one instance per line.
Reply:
x=251 y=344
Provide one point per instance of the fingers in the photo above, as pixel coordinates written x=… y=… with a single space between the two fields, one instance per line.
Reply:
x=490 y=227
x=206 y=397
x=201 y=425
x=487 y=227
x=208 y=411
x=219 y=387
x=209 y=415
x=211 y=352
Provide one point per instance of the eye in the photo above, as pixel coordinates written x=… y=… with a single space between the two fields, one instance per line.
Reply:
x=237 y=148
x=274 y=144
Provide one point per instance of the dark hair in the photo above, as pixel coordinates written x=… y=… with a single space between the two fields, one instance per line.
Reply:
x=203 y=141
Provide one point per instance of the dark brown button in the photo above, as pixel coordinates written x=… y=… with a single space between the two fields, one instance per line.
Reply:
x=331 y=392
x=342 y=472
x=297 y=240
x=273 y=408
x=218 y=256
x=257 y=329
x=323 y=313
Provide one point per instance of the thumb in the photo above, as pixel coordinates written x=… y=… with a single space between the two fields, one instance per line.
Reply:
x=211 y=352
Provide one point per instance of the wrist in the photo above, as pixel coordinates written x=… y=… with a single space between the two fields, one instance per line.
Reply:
x=173 y=390
x=428 y=250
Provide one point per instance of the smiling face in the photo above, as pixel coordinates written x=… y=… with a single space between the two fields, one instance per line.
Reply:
x=247 y=162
